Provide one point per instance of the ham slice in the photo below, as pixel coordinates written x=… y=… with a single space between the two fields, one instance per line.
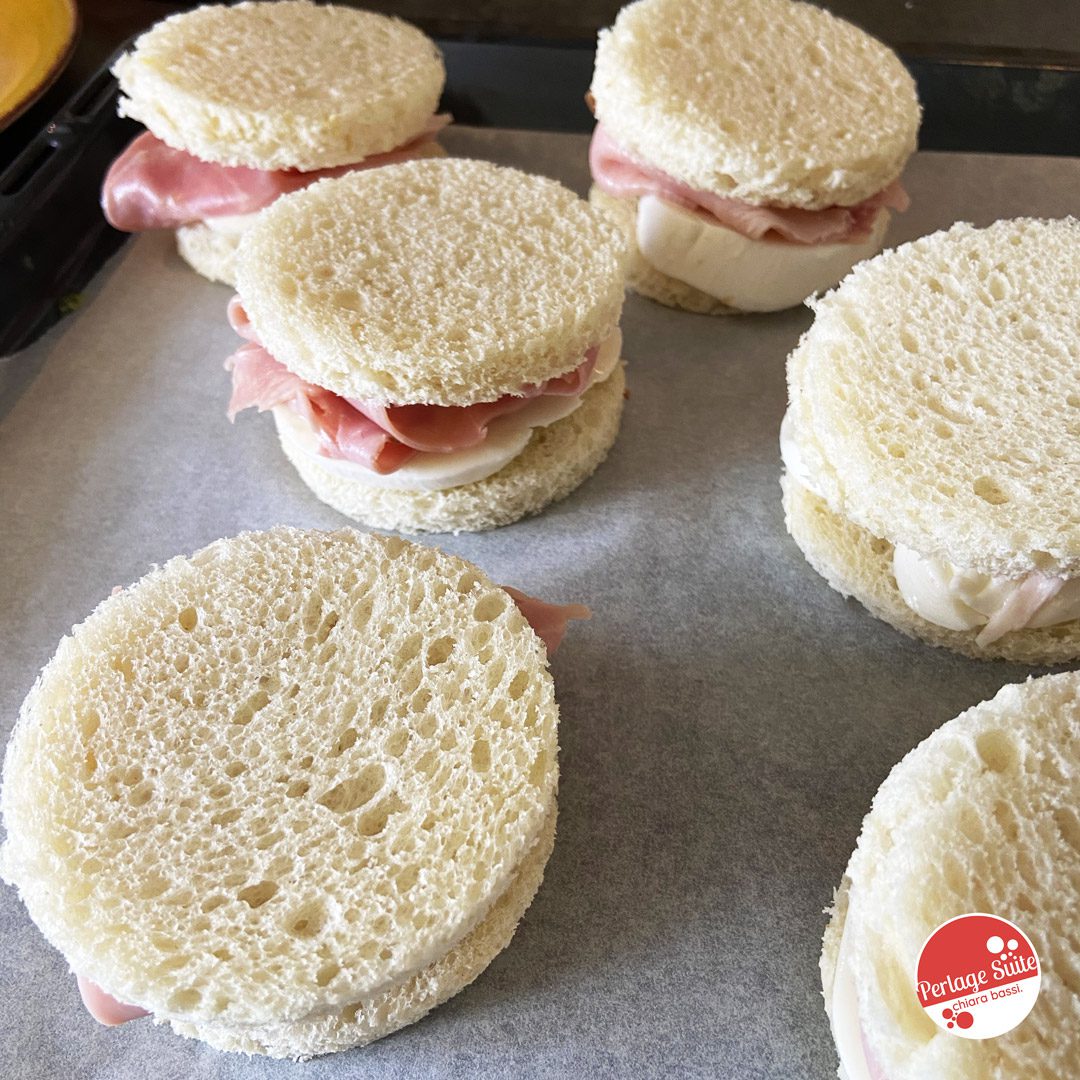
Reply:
x=152 y=185
x=624 y=177
x=548 y=620
x=1020 y=607
x=104 y=1008
x=379 y=437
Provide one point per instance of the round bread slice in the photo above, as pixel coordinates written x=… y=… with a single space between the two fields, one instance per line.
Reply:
x=444 y=282
x=642 y=276
x=283 y=85
x=857 y=563
x=280 y=776
x=980 y=817
x=556 y=460
x=209 y=252
x=934 y=398
x=365 y=1021
x=766 y=101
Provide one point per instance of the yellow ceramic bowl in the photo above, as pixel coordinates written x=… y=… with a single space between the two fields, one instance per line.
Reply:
x=36 y=39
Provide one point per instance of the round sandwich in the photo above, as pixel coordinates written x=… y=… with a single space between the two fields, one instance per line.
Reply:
x=981 y=817
x=438 y=341
x=244 y=104
x=750 y=149
x=290 y=793
x=931 y=442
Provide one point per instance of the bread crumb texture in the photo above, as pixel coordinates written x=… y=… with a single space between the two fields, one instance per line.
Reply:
x=361 y=1022
x=556 y=460
x=766 y=101
x=857 y=563
x=440 y=281
x=284 y=85
x=280 y=775
x=981 y=816
x=935 y=396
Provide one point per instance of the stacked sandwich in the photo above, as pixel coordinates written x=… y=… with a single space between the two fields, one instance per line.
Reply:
x=981 y=817
x=287 y=794
x=438 y=341
x=750 y=149
x=931 y=442
x=247 y=103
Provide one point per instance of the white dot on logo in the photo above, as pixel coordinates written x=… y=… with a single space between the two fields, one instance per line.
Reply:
x=1013 y=944
x=994 y=944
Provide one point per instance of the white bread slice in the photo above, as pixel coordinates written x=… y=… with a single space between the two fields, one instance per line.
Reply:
x=766 y=101
x=283 y=85
x=279 y=776
x=980 y=817
x=934 y=398
x=642 y=276
x=443 y=282
x=208 y=252
x=857 y=563
x=556 y=460
x=365 y=1021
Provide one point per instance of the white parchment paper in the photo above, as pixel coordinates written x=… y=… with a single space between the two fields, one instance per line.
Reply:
x=726 y=717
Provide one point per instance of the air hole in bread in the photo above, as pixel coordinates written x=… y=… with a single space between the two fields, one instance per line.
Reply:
x=188 y=619
x=184 y=1000
x=1069 y=826
x=268 y=840
x=396 y=742
x=346 y=740
x=439 y=651
x=467 y=582
x=212 y=903
x=234 y=769
x=356 y=791
x=181 y=662
x=89 y=722
x=141 y=795
x=330 y=620
x=481 y=755
x=259 y=700
x=327 y=973
x=226 y=817
x=989 y=490
x=120 y=830
x=122 y=664
x=997 y=750
x=491 y=606
x=307 y=920
x=518 y=685
x=63 y=844
x=256 y=895
x=374 y=821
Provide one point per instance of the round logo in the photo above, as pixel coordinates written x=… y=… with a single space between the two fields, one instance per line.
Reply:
x=978 y=976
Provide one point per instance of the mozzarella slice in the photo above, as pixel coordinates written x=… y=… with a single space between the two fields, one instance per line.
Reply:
x=751 y=275
x=230 y=224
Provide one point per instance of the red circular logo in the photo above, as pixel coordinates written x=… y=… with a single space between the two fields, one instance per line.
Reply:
x=978 y=976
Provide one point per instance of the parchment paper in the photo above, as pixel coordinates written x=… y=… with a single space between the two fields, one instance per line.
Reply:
x=726 y=716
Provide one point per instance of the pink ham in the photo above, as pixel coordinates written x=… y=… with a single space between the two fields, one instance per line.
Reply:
x=260 y=381
x=104 y=1008
x=623 y=177
x=1020 y=607
x=153 y=186
x=442 y=429
x=548 y=620
x=379 y=437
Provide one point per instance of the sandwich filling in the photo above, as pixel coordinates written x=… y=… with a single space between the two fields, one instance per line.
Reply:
x=408 y=446
x=955 y=597
x=753 y=257
x=848 y=1033
x=152 y=185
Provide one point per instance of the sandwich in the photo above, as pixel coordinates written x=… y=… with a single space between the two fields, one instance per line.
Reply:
x=981 y=817
x=244 y=104
x=290 y=793
x=438 y=341
x=750 y=149
x=931 y=440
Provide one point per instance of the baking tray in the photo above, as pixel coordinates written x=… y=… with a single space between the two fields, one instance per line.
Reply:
x=726 y=717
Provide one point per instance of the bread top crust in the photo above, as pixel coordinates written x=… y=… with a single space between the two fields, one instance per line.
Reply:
x=283 y=85
x=934 y=399
x=766 y=101
x=443 y=282
x=980 y=817
x=279 y=775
